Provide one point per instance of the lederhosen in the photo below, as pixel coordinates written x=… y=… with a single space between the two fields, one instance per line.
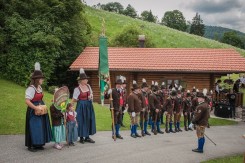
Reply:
x=177 y=114
x=187 y=112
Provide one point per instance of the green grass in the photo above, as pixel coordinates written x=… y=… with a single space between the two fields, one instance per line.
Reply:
x=13 y=110
x=229 y=159
x=162 y=36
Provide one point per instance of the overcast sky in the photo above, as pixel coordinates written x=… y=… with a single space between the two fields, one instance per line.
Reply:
x=225 y=13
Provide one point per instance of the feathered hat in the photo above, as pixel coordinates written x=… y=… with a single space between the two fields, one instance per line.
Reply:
x=203 y=93
x=37 y=74
x=179 y=89
x=173 y=92
x=194 y=89
x=123 y=78
x=156 y=87
x=135 y=85
x=152 y=85
x=119 y=80
x=188 y=94
x=82 y=75
x=144 y=84
x=163 y=85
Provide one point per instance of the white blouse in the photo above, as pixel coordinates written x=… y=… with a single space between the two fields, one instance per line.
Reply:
x=30 y=92
x=76 y=92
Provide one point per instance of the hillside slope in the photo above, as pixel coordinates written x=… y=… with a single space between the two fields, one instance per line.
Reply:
x=162 y=36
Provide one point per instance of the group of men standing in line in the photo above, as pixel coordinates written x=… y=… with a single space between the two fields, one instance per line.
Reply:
x=147 y=105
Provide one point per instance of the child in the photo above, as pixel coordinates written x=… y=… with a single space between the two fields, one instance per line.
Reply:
x=71 y=124
x=58 y=129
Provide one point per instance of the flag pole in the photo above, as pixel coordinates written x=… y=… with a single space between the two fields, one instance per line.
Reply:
x=111 y=99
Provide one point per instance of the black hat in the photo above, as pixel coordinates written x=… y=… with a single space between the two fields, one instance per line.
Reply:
x=123 y=78
x=82 y=75
x=152 y=85
x=188 y=94
x=144 y=84
x=119 y=80
x=194 y=89
x=203 y=93
x=37 y=74
x=155 y=87
x=163 y=85
x=135 y=85
x=173 y=92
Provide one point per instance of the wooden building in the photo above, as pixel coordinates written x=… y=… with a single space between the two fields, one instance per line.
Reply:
x=185 y=66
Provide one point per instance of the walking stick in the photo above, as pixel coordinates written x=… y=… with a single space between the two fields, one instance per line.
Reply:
x=112 y=113
x=210 y=139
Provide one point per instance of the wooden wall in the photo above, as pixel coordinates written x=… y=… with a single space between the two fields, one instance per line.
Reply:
x=200 y=81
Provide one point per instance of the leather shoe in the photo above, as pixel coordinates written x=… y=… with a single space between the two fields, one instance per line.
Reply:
x=89 y=140
x=119 y=137
x=197 y=150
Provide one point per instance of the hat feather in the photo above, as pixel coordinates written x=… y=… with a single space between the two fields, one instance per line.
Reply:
x=143 y=80
x=197 y=90
x=37 y=66
x=134 y=82
x=194 y=87
x=81 y=71
x=163 y=83
x=205 y=91
x=156 y=83
x=188 y=91
x=173 y=89
x=152 y=82
x=211 y=92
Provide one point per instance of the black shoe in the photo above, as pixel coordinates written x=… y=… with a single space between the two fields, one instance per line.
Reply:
x=82 y=140
x=133 y=136
x=179 y=130
x=119 y=137
x=176 y=130
x=137 y=135
x=32 y=149
x=39 y=148
x=147 y=133
x=190 y=129
x=89 y=140
x=186 y=129
x=167 y=131
x=142 y=133
x=172 y=131
x=72 y=144
x=160 y=132
x=197 y=150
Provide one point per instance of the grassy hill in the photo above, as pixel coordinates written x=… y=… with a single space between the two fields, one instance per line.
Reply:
x=162 y=36
x=13 y=111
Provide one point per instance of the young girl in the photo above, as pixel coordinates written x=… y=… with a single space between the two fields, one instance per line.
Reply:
x=71 y=124
x=58 y=129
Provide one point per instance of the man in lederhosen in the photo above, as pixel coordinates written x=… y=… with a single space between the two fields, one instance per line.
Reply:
x=116 y=96
x=144 y=114
x=201 y=120
x=194 y=102
x=124 y=95
x=177 y=112
x=134 y=109
x=170 y=105
x=155 y=109
x=186 y=106
x=162 y=93
x=151 y=92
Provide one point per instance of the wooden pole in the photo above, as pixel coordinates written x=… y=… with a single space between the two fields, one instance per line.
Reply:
x=112 y=112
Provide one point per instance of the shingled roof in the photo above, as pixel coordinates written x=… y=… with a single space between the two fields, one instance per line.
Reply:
x=163 y=60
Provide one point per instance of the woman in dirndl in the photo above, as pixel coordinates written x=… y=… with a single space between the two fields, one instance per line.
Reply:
x=38 y=130
x=83 y=95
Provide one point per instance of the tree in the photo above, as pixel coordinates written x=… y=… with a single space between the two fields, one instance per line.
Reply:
x=113 y=7
x=197 y=26
x=50 y=32
x=129 y=38
x=130 y=11
x=174 y=19
x=148 y=16
x=233 y=39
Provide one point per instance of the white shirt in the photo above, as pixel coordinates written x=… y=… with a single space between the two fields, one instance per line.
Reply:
x=30 y=92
